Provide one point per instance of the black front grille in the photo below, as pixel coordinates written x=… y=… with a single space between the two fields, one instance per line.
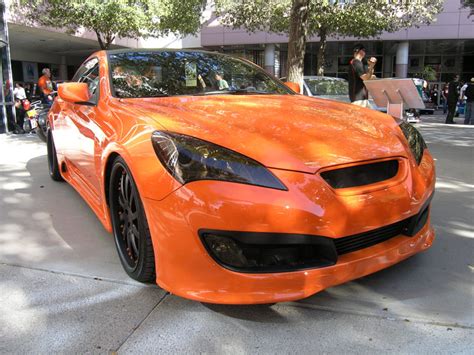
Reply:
x=364 y=240
x=361 y=175
x=257 y=252
x=408 y=227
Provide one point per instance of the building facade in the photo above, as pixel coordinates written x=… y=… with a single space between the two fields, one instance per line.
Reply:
x=447 y=46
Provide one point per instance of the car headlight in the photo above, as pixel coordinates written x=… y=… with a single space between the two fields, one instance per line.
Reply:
x=189 y=159
x=415 y=140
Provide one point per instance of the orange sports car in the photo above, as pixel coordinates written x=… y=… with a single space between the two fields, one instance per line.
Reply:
x=223 y=185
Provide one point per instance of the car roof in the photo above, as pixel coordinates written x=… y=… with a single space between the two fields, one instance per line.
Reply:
x=141 y=50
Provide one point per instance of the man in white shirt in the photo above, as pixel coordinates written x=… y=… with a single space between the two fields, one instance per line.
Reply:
x=19 y=92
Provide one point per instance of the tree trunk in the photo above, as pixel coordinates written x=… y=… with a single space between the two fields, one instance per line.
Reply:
x=105 y=42
x=297 y=40
x=321 y=51
x=109 y=38
x=101 y=42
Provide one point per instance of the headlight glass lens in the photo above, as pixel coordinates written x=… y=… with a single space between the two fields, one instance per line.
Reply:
x=189 y=159
x=415 y=140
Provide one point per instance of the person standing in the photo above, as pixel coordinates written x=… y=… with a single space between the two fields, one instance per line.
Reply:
x=45 y=86
x=434 y=95
x=453 y=95
x=358 y=73
x=20 y=117
x=19 y=95
x=469 y=108
x=444 y=95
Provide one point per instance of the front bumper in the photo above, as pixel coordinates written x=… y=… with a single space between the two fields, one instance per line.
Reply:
x=310 y=207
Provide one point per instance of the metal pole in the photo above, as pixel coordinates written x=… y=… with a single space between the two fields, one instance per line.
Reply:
x=9 y=65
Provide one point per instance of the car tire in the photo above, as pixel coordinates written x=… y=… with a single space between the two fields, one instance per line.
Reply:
x=41 y=135
x=129 y=224
x=53 y=165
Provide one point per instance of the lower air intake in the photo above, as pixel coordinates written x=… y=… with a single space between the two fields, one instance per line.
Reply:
x=268 y=252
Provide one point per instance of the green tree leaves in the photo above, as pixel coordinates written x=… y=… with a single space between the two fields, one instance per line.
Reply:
x=117 y=18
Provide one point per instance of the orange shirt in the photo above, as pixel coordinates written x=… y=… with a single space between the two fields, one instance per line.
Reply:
x=45 y=84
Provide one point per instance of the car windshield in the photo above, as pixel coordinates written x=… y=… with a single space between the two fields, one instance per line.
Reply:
x=162 y=73
x=327 y=86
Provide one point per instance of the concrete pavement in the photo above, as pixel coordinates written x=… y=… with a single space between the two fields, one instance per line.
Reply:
x=62 y=288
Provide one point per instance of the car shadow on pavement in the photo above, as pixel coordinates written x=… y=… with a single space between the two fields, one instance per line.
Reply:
x=47 y=225
x=262 y=313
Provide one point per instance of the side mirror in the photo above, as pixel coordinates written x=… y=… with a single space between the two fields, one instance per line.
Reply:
x=293 y=86
x=74 y=92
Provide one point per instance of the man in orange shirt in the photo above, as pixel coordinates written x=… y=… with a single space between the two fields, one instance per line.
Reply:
x=46 y=85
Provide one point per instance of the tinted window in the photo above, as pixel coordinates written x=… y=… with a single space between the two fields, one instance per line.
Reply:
x=154 y=74
x=89 y=73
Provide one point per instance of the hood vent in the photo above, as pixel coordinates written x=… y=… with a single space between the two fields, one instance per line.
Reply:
x=361 y=175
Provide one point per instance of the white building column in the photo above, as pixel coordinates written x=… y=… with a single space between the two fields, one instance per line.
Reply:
x=63 y=68
x=270 y=58
x=401 y=67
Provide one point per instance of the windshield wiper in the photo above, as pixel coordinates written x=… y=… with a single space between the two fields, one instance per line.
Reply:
x=217 y=92
x=233 y=92
x=248 y=92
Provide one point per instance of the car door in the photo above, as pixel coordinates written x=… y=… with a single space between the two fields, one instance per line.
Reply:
x=83 y=116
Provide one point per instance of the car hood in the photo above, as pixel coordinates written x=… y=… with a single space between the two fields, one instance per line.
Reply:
x=289 y=132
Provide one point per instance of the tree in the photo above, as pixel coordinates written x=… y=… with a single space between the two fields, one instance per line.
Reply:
x=428 y=73
x=110 y=19
x=468 y=4
x=325 y=18
x=298 y=32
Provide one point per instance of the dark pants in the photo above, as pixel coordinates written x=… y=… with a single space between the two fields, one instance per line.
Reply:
x=451 y=111
x=468 y=113
x=20 y=117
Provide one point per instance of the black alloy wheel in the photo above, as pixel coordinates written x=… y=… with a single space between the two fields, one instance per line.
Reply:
x=130 y=227
x=53 y=165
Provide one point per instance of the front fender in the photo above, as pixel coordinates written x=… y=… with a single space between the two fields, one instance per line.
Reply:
x=151 y=178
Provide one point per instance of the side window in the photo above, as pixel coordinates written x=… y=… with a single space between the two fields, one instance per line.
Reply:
x=91 y=78
x=89 y=73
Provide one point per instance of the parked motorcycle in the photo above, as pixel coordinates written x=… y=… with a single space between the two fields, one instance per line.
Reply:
x=37 y=115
